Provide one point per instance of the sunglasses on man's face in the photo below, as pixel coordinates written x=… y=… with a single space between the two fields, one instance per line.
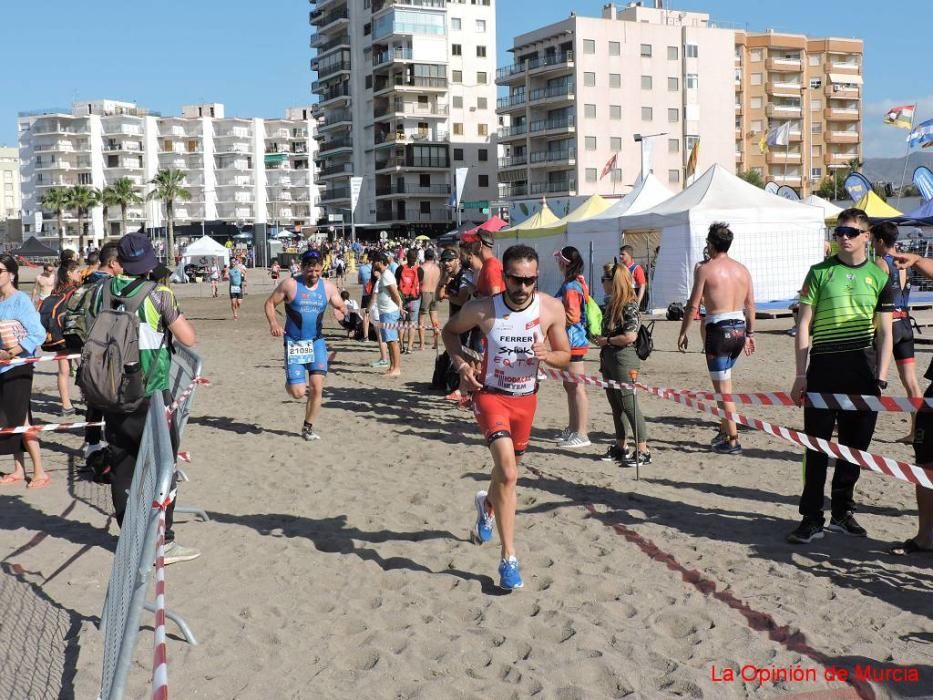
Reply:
x=524 y=281
x=847 y=232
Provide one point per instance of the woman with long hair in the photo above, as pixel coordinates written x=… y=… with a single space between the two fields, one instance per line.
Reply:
x=21 y=334
x=67 y=280
x=617 y=357
x=574 y=293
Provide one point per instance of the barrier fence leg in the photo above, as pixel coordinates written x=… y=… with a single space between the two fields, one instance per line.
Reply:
x=191 y=510
x=178 y=620
x=633 y=375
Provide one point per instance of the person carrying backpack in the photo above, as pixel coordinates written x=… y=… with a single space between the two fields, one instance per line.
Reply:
x=51 y=313
x=574 y=294
x=410 y=280
x=130 y=303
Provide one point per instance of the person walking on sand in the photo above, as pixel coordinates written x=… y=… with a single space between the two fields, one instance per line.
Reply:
x=845 y=307
x=431 y=274
x=724 y=287
x=45 y=283
x=573 y=293
x=516 y=324
x=306 y=297
x=388 y=302
x=237 y=286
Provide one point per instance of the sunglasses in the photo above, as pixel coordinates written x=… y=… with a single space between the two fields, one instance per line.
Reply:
x=847 y=232
x=524 y=281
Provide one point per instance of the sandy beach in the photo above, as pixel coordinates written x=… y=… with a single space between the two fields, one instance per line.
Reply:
x=342 y=568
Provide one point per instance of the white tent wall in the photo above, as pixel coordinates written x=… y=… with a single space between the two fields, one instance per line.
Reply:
x=205 y=250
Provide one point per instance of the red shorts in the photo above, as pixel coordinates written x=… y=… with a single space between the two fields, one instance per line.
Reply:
x=505 y=416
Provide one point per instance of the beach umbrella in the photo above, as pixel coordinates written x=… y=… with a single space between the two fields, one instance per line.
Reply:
x=422 y=237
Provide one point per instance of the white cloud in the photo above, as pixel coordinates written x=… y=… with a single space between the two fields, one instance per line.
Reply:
x=882 y=141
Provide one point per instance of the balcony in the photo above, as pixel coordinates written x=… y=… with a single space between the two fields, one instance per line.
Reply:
x=386 y=57
x=557 y=94
x=848 y=67
x=412 y=189
x=843 y=92
x=518 y=190
x=552 y=127
x=783 y=158
x=790 y=179
x=58 y=147
x=335 y=194
x=550 y=62
x=566 y=156
x=504 y=104
x=738 y=108
x=334 y=145
x=331 y=68
x=398 y=84
x=511 y=133
x=331 y=93
x=338 y=170
x=398 y=137
x=379 y=5
x=514 y=161
x=835 y=114
x=409 y=161
x=783 y=111
x=400 y=108
x=127 y=146
x=568 y=186
x=841 y=137
x=411 y=215
x=324 y=44
x=783 y=88
x=326 y=22
x=840 y=158
x=784 y=65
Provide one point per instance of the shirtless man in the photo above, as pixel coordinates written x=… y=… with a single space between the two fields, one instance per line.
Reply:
x=432 y=275
x=44 y=285
x=515 y=324
x=724 y=287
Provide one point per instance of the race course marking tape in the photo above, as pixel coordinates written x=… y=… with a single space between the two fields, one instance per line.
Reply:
x=32 y=360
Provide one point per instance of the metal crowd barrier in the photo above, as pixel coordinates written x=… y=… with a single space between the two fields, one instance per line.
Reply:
x=135 y=555
x=186 y=365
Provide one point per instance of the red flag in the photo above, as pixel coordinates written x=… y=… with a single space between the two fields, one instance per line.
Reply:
x=609 y=166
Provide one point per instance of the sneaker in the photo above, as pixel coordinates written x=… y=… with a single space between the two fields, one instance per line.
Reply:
x=510 y=577
x=719 y=438
x=564 y=435
x=613 y=454
x=847 y=525
x=174 y=553
x=643 y=459
x=725 y=448
x=91 y=449
x=455 y=395
x=807 y=531
x=308 y=434
x=576 y=440
x=68 y=412
x=379 y=363
x=482 y=529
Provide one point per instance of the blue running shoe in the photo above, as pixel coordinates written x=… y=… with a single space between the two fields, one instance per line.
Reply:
x=482 y=530
x=510 y=577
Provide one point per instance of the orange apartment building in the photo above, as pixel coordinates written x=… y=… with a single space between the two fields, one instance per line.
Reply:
x=816 y=85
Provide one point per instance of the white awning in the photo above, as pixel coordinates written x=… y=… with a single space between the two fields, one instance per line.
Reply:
x=840 y=78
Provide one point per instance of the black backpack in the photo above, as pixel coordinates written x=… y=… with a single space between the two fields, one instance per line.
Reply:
x=644 y=343
x=675 y=312
x=51 y=314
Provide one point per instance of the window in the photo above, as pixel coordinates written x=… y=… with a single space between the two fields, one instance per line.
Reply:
x=692 y=82
x=816 y=128
x=615 y=48
x=481 y=25
x=673 y=115
x=481 y=52
x=424 y=180
x=645 y=50
x=814 y=59
x=673 y=53
x=615 y=112
x=615 y=144
x=756 y=54
x=482 y=103
x=816 y=173
x=455 y=24
x=673 y=145
x=591 y=174
x=589 y=46
x=816 y=105
x=482 y=130
x=425 y=207
x=615 y=80
x=369 y=82
x=616 y=175
x=755 y=103
x=647 y=114
x=589 y=80
x=456 y=76
x=458 y=154
x=483 y=155
x=816 y=151
x=755 y=79
x=590 y=143
x=458 y=101
x=673 y=84
x=483 y=180
x=480 y=77
x=756 y=126
x=589 y=111
x=456 y=50
x=646 y=82
x=691 y=51
x=458 y=128
x=673 y=175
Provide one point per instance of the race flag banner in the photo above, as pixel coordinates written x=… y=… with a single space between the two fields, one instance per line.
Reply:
x=692 y=160
x=610 y=164
x=779 y=135
x=923 y=181
x=921 y=135
x=857 y=185
x=902 y=116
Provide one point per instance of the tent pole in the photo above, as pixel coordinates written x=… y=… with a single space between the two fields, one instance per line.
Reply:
x=906 y=161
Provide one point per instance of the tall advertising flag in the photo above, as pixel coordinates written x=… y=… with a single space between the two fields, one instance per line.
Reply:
x=692 y=160
x=923 y=181
x=857 y=185
x=921 y=135
x=356 y=185
x=901 y=116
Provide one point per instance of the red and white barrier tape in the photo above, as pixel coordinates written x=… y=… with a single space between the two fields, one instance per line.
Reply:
x=902 y=471
x=49 y=428
x=32 y=360
x=839 y=402
x=169 y=410
x=185 y=457
x=160 y=648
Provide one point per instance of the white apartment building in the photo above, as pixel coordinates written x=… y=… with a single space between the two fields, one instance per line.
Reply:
x=242 y=171
x=579 y=90
x=9 y=191
x=406 y=96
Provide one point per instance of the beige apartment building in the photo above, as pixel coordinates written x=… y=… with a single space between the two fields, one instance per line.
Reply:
x=816 y=86
x=579 y=90
x=9 y=193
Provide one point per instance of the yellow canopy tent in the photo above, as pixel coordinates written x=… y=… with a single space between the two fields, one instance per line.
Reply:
x=591 y=207
x=540 y=219
x=875 y=207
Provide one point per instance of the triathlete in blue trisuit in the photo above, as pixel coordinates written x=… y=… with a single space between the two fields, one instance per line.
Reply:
x=237 y=286
x=306 y=297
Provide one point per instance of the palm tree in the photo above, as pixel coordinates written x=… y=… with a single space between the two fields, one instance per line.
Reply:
x=56 y=199
x=168 y=187
x=125 y=195
x=107 y=199
x=82 y=199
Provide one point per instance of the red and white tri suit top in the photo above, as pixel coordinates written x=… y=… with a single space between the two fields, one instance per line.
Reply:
x=509 y=364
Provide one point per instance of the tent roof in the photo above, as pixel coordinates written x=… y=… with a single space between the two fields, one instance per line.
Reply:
x=875 y=207
x=206 y=246
x=32 y=248
x=647 y=193
x=830 y=210
x=538 y=220
x=717 y=192
x=496 y=223
x=924 y=211
x=593 y=206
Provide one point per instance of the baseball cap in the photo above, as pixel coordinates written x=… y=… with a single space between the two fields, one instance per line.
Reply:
x=136 y=254
x=449 y=254
x=480 y=235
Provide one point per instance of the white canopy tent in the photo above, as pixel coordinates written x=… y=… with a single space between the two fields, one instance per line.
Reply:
x=830 y=210
x=206 y=251
x=776 y=239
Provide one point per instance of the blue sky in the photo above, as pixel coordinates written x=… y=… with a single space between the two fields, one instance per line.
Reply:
x=253 y=55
